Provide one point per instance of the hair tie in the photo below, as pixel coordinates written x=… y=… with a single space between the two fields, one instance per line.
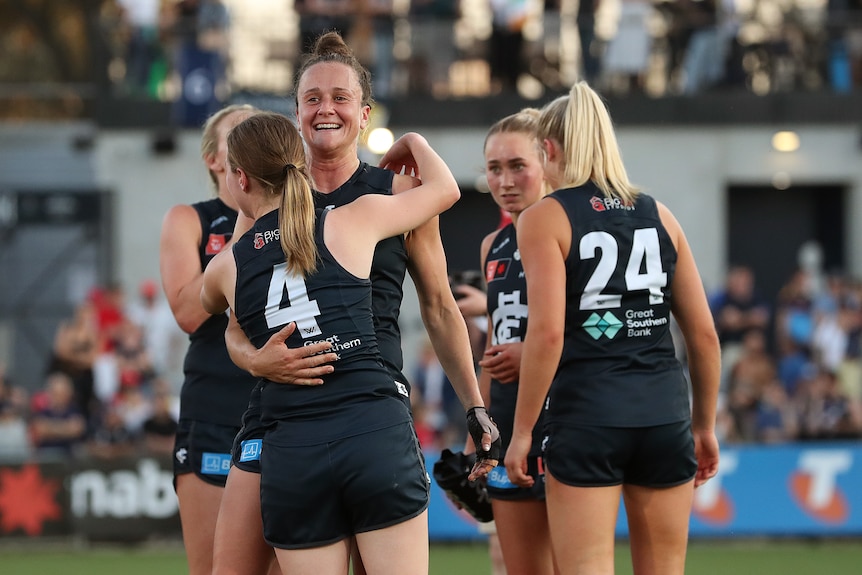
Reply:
x=286 y=168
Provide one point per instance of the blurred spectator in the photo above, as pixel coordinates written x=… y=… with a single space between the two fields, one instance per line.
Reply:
x=825 y=413
x=706 y=51
x=77 y=343
x=111 y=439
x=143 y=46
x=794 y=365
x=627 y=56
x=380 y=20
x=591 y=47
x=133 y=359
x=57 y=426
x=133 y=407
x=468 y=286
x=198 y=30
x=505 y=53
x=830 y=338
x=794 y=318
x=737 y=309
x=13 y=423
x=440 y=406
x=108 y=303
x=160 y=428
x=425 y=432
x=753 y=371
x=844 y=43
x=775 y=420
x=432 y=45
x=162 y=335
x=319 y=16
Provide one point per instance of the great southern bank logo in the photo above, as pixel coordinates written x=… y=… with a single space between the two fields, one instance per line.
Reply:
x=598 y=325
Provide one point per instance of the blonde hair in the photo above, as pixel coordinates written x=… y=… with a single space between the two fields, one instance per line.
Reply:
x=581 y=125
x=268 y=147
x=525 y=121
x=209 y=138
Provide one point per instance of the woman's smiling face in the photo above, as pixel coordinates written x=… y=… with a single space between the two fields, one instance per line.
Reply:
x=329 y=107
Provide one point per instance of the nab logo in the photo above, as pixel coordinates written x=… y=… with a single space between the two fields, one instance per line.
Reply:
x=497 y=269
x=814 y=488
x=215 y=243
x=607 y=325
x=712 y=504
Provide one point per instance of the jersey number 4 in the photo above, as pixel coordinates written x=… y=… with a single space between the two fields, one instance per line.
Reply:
x=298 y=308
x=643 y=270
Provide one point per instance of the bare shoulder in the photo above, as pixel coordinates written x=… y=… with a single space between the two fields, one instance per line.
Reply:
x=669 y=221
x=180 y=213
x=181 y=219
x=485 y=247
x=547 y=213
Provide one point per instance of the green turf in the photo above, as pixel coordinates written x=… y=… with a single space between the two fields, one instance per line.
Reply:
x=713 y=558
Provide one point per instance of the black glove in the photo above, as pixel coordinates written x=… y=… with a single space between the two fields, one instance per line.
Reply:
x=479 y=423
x=451 y=472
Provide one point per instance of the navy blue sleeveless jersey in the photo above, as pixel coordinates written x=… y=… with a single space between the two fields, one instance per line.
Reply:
x=329 y=305
x=387 y=269
x=214 y=390
x=507 y=308
x=618 y=366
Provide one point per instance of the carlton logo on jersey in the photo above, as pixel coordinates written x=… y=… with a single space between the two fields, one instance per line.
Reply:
x=263 y=238
x=216 y=243
x=605 y=204
x=497 y=269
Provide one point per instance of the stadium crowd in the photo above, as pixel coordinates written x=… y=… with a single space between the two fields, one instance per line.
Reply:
x=440 y=47
x=106 y=391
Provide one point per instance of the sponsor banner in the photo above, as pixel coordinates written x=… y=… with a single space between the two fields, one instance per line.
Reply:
x=34 y=501
x=123 y=499
x=117 y=500
x=804 y=489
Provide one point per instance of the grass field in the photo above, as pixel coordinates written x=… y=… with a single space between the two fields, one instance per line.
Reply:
x=713 y=558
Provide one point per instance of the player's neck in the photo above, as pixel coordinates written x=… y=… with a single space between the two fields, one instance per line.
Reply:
x=329 y=174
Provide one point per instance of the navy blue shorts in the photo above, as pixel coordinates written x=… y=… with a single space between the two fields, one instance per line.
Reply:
x=204 y=449
x=594 y=456
x=316 y=495
x=499 y=486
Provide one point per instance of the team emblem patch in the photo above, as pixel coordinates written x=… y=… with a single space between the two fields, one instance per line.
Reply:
x=215 y=244
x=497 y=269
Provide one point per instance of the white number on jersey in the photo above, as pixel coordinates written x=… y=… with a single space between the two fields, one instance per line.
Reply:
x=646 y=255
x=299 y=308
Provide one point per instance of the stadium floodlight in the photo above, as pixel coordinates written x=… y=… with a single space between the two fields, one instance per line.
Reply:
x=785 y=141
x=380 y=140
